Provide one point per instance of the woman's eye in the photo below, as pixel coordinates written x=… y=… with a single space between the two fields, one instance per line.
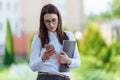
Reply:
x=54 y=20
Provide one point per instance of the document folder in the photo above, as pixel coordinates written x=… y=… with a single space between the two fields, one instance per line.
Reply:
x=68 y=47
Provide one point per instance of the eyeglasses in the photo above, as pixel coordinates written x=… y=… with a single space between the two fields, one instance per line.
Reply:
x=53 y=21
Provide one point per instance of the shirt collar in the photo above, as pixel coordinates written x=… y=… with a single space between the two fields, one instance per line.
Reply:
x=51 y=33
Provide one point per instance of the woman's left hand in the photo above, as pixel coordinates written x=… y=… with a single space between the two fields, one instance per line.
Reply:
x=64 y=59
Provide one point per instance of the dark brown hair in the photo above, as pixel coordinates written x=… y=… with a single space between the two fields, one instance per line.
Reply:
x=43 y=32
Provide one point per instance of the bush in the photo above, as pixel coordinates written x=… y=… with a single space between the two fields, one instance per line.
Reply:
x=93 y=42
x=94 y=45
x=99 y=60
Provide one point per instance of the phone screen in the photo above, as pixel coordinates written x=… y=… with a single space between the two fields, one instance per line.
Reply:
x=49 y=46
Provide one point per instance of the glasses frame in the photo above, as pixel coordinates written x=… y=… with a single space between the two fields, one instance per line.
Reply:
x=53 y=21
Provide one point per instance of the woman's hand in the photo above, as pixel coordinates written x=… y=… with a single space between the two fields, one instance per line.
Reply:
x=49 y=53
x=64 y=59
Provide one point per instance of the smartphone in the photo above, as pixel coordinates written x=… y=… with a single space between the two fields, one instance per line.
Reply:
x=49 y=46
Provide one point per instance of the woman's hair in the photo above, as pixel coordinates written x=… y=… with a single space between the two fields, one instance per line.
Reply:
x=43 y=32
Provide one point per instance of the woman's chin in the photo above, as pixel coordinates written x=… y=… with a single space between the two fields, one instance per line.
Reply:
x=52 y=30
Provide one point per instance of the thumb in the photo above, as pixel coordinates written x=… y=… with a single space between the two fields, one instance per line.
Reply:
x=63 y=53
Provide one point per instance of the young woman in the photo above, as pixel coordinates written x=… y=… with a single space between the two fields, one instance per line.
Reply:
x=46 y=61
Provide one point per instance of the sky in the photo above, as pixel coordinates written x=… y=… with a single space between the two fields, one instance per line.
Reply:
x=96 y=6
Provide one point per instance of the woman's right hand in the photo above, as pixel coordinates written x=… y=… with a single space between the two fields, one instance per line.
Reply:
x=49 y=53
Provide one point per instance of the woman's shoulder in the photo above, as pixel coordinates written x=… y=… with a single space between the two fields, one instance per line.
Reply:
x=68 y=32
x=70 y=35
x=36 y=41
x=36 y=37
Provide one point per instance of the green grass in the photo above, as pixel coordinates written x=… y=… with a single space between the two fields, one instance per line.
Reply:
x=95 y=74
x=90 y=70
x=17 y=72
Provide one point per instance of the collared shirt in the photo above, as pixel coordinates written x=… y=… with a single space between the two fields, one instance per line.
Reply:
x=51 y=65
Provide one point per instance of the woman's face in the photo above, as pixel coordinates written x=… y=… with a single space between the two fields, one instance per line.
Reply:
x=51 y=21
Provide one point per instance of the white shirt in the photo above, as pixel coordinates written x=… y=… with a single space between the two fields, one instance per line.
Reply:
x=51 y=65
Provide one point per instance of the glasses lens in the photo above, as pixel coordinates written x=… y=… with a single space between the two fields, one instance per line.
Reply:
x=53 y=21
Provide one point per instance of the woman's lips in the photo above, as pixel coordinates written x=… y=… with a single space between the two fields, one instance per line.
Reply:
x=52 y=28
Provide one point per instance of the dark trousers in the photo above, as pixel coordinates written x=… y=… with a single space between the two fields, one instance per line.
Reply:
x=51 y=77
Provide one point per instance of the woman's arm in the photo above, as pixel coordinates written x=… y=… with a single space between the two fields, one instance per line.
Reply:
x=35 y=56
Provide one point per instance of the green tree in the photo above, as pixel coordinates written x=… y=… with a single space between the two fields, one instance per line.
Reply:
x=9 y=52
x=116 y=8
x=92 y=42
x=94 y=45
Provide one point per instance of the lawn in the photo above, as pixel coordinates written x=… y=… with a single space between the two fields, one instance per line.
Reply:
x=17 y=72
x=86 y=71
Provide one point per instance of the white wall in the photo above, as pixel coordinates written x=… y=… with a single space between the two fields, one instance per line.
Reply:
x=9 y=9
x=30 y=11
x=75 y=14
x=71 y=11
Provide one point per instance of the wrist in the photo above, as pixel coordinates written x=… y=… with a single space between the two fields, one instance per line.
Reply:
x=43 y=59
x=69 y=61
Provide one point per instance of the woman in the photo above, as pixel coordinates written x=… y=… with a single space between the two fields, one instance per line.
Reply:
x=46 y=61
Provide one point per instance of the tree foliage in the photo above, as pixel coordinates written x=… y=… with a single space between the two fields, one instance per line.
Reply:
x=93 y=41
x=112 y=13
x=116 y=8
x=9 y=52
x=93 y=44
x=98 y=53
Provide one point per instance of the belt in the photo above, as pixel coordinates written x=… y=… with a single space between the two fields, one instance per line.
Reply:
x=60 y=75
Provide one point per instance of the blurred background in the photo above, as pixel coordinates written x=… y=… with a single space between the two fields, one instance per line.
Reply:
x=95 y=24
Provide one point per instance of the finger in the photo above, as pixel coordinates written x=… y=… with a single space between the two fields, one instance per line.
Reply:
x=46 y=57
x=52 y=53
x=63 y=53
x=50 y=50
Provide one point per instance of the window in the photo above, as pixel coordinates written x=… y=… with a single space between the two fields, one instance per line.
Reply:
x=8 y=6
x=1 y=26
x=0 y=6
x=16 y=7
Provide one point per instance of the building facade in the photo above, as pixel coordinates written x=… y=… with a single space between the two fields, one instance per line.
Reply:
x=110 y=30
x=24 y=18
x=72 y=13
x=11 y=10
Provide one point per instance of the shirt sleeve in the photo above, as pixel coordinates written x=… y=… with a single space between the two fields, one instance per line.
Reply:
x=35 y=56
x=76 y=57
